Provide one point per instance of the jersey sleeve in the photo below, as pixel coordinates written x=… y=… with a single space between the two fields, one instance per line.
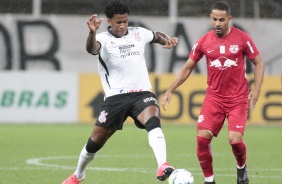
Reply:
x=101 y=37
x=196 y=53
x=250 y=48
x=148 y=34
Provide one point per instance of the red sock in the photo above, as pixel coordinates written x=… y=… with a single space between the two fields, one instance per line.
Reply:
x=205 y=155
x=239 y=151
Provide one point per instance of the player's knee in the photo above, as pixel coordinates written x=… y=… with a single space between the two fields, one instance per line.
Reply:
x=235 y=137
x=92 y=147
x=152 y=123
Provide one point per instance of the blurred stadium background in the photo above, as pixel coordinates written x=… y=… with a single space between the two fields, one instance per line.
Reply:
x=47 y=76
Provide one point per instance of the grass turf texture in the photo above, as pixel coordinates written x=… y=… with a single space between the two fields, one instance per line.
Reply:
x=127 y=157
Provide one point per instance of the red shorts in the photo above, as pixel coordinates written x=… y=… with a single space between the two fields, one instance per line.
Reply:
x=214 y=112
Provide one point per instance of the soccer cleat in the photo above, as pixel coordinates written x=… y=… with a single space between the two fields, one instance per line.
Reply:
x=242 y=176
x=207 y=182
x=164 y=171
x=73 y=180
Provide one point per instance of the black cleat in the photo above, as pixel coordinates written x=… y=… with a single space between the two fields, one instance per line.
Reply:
x=242 y=176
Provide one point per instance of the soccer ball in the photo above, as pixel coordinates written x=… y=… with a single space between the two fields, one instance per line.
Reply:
x=181 y=176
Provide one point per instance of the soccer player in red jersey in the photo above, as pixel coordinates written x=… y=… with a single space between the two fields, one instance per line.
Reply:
x=225 y=48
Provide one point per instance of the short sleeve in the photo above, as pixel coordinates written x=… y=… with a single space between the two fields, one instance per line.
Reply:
x=101 y=37
x=196 y=53
x=250 y=48
x=148 y=34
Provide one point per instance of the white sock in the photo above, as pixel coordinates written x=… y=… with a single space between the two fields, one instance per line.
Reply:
x=241 y=167
x=158 y=144
x=209 y=179
x=84 y=159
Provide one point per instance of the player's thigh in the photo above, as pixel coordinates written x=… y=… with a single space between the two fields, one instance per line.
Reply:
x=147 y=113
x=113 y=112
x=144 y=106
x=211 y=117
x=237 y=117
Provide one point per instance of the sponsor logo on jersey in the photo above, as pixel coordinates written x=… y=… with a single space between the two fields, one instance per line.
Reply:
x=130 y=54
x=102 y=118
x=222 y=63
x=126 y=47
x=234 y=49
x=150 y=99
x=128 y=50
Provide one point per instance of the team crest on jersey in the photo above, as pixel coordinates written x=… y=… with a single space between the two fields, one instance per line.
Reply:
x=102 y=118
x=137 y=36
x=234 y=49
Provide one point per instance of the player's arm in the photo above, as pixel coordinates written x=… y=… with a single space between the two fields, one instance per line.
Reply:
x=258 y=76
x=165 y=40
x=92 y=46
x=180 y=78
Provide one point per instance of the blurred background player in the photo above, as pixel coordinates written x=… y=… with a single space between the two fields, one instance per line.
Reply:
x=126 y=84
x=225 y=48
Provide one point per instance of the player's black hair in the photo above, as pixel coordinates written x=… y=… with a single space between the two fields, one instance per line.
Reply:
x=116 y=7
x=221 y=5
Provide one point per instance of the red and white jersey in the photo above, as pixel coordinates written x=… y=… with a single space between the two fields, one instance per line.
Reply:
x=122 y=66
x=225 y=59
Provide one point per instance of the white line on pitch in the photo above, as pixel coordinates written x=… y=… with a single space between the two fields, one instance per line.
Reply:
x=39 y=162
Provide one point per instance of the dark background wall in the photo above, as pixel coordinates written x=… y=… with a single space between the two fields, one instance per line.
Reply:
x=193 y=8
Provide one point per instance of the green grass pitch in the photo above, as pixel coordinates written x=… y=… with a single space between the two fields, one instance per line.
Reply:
x=47 y=154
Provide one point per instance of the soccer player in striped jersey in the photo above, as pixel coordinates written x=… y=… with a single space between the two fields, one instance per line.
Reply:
x=125 y=80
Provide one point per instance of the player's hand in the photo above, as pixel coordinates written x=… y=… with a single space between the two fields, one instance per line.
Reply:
x=171 y=43
x=93 y=23
x=166 y=100
x=253 y=97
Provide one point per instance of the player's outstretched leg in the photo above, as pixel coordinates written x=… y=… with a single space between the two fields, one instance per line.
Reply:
x=87 y=154
x=242 y=176
x=157 y=142
x=164 y=171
